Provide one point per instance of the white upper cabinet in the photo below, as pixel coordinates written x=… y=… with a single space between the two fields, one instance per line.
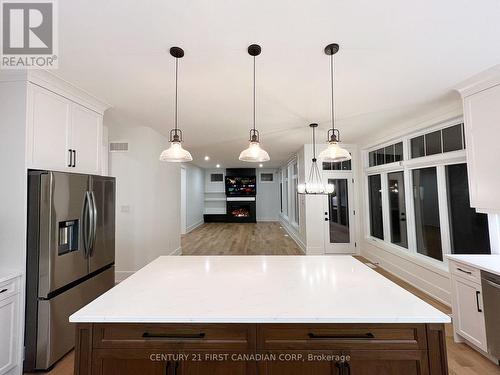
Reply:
x=48 y=119
x=64 y=132
x=85 y=139
x=481 y=99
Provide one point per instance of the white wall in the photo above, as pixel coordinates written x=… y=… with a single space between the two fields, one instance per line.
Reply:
x=147 y=199
x=268 y=197
x=13 y=215
x=195 y=195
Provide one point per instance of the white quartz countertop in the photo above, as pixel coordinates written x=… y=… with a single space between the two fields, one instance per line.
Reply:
x=7 y=275
x=489 y=263
x=258 y=289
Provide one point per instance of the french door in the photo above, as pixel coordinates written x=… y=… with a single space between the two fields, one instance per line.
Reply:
x=339 y=217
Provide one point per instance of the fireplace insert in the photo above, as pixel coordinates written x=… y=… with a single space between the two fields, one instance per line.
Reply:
x=241 y=211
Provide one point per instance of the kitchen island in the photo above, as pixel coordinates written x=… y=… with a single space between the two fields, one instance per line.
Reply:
x=259 y=315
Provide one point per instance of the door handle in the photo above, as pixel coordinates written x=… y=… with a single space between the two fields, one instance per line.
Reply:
x=464 y=271
x=74 y=158
x=361 y=336
x=93 y=223
x=70 y=163
x=3 y=290
x=173 y=336
x=477 y=301
x=86 y=223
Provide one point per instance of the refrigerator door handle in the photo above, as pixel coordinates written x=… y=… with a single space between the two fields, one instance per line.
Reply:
x=87 y=222
x=93 y=223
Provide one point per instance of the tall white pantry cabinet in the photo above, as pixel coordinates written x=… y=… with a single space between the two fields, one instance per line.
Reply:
x=45 y=123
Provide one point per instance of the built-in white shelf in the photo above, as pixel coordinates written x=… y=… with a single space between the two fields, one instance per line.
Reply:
x=214 y=199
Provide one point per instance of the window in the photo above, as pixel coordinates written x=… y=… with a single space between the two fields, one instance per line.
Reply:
x=437 y=193
x=295 y=195
x=386 y=155
x=437 y=142
x=285 y=191
x=453 y=138
x=266 y=177
x=216 y=177
x=340 y=166
x=375 y=200
x=417 y=147
x=469 y=230
x=427 y=224
x=397 y=208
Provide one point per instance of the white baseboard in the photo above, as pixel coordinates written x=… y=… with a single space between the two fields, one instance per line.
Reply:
x=294 y=234
x=268 y=219
x=422 y=283
x=194 y=226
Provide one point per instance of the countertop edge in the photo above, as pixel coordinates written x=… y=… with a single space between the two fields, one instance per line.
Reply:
x=461 y=259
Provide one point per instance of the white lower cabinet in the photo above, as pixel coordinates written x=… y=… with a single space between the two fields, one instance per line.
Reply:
x=467 y=299
x=9 y=326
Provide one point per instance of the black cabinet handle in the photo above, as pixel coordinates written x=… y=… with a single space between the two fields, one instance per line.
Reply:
x=74 y=158
x=3 y=290
x=327 y=219
x=173 y=336
x=361 y=336
x=464 y=271
x=70 y=164
x=477 y=301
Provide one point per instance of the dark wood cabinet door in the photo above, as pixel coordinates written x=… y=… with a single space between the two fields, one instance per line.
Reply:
x=122 y=366
x=388 y=362
x=304 y=363
x=213 y=368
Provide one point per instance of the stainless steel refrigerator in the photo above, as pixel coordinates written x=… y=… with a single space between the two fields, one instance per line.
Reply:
x=70 y=257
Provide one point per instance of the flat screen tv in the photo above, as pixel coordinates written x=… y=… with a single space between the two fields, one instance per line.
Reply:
x=241 y=186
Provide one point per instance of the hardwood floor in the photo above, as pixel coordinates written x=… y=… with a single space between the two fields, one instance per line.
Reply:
x=265 y=238
x=270 y=239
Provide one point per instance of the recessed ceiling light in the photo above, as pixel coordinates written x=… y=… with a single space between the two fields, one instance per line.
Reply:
x=207 y=158
x=217 y=166
x=261 y=165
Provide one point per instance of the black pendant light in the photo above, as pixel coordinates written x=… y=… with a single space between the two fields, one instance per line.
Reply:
x=175 y=153
x=254 y=153
x=334 y=152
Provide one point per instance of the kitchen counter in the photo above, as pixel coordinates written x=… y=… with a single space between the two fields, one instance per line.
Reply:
x=488 y=263
x=258 y=289
x=254 y=315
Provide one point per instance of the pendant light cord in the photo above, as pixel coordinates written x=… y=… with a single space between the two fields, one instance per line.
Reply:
x=254 y=93
x=314 y=144
x=176 y=79
x=331 y=77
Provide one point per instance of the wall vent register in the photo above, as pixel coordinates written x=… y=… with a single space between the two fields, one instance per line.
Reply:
x=266 y=177
x=216 y=177
x=118 y=146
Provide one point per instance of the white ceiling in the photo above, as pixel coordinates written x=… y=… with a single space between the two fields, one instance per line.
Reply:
x=397 y=58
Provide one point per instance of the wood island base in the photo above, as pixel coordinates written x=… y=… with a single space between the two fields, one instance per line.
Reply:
x=262 y=348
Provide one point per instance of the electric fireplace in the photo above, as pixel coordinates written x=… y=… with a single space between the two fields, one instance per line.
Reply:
x=241 y=211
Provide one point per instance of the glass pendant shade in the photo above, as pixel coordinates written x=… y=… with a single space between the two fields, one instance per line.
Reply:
x=335 y=153
x=314 y=183
x=175 y=153
x=254 y=153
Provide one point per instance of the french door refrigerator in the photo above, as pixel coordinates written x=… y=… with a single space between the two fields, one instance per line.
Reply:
x=70 y=257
